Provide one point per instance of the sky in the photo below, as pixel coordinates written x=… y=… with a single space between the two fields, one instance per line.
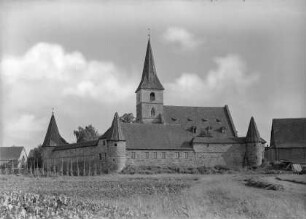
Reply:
x=85 y=60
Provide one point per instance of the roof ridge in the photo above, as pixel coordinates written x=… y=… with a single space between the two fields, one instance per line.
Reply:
x=194 y=106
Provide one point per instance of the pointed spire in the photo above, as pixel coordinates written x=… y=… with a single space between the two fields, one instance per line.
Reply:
x=115 y=132
x=253 y=134
x=53 y=137
x=149 y=78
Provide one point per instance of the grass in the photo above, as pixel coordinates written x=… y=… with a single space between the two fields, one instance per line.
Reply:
x=167 y=195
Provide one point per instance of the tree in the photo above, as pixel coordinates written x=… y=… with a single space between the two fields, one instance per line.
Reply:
x=35 y=157
x=86 y=134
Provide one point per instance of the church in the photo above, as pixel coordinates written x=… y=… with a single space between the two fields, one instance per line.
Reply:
x=161 y=135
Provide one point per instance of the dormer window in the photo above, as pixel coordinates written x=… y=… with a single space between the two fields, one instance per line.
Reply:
x=152 y=112
x=204 y=120
x=152 y=96
x=222 y=129
x=218 y=120
x=189 y=119
x=173 y=119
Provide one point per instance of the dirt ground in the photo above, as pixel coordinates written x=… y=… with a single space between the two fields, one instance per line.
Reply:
x=166 y=195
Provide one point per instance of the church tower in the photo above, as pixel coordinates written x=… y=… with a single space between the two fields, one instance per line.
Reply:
x=149 y=94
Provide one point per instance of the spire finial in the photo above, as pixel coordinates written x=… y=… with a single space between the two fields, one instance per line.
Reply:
x=52 y=110
x=149 y=33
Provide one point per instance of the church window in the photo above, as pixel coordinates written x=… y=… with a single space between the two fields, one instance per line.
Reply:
x=133 y=155
x=155 y=155
x=177 y=154
x=100 y=156
x=147 y=155
x=163 y=155
x=152 y=112
x=152 y=96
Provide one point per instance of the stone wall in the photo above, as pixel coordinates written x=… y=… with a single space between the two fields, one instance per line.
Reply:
x=231 y=155
x=254 y=154
x=144 y=106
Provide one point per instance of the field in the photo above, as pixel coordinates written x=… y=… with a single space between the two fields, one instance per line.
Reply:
x=152 y=196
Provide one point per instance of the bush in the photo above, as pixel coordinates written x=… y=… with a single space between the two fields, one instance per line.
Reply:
x=218 y=169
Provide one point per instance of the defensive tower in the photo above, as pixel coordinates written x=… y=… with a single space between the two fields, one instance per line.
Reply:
x=116 y=146
x=254 y=147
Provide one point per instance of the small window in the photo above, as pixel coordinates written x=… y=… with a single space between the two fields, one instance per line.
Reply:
x=104 y=142
x=218 y=120
x=147 y=155
x=152 y=96
x=173 y=119
x=189 y=119
x=115 y=144
x=177 y=154
x=163 y=155
x=152 y=112
x=155 y=155
x=133 y=155
x=204 y=120
x=100 y=156
x=186 y=155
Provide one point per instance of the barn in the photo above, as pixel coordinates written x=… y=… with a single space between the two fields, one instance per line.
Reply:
x=12 y=157
x=288 y=140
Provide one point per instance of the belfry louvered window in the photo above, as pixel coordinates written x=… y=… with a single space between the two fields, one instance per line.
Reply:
x=152 y=96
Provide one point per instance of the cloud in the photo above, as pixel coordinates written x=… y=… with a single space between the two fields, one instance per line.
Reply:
x=71 y=73
x=229 y=79
x=47 y=76
x=181 y=37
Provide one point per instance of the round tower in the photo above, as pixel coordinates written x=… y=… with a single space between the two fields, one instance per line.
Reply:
x=116 y=146
x=254 y=146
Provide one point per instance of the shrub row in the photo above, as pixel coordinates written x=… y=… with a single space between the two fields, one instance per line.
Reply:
x=219 y=169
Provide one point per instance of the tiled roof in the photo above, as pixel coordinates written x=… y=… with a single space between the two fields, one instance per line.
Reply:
x=156 y=137
x=114 y=133
x=149 y=78
x=53 y=137
x=209 y=140
x=288 y=133
x=252 y=134
x=10 y=153
x=205 y=121
x=92 y=143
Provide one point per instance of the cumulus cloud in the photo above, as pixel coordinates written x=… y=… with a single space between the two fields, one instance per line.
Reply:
x=180 y=36
x=47 y=76
x=228 y=79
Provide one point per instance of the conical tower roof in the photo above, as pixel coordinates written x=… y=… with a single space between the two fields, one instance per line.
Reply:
x=253 y=134
x=149 y=79
x=53 y=137
x=115 y=132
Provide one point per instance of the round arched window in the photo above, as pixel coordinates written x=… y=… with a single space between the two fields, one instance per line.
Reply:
x=152 y=96
x=152 y=112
